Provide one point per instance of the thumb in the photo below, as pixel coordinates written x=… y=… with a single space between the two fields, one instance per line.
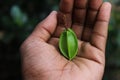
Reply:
x=46 y=28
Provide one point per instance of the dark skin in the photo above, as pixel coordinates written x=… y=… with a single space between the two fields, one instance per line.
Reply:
x=40 y=53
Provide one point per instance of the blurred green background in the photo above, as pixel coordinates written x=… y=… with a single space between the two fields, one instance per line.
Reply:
x=19 y=17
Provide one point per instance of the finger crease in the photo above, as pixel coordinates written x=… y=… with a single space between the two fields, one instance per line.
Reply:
x=80 y=7
x=98 y=34
x=64 y=12
x=101 y=20
x=93 y=9
x=47 y=30
x=80 y=24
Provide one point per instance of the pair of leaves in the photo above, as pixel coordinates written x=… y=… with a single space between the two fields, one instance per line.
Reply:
x=68 y=44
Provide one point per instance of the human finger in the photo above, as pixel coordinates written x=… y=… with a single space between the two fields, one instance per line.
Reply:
x=99 y=33
x=93 y=9
x=79 y=15
x=64 y=16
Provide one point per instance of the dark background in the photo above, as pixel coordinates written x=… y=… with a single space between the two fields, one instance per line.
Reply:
x=19 y=17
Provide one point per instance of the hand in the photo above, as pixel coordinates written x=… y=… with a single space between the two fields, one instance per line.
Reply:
x=40 y=53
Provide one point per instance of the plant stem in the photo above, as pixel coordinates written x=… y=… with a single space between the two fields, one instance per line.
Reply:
x=65 y=20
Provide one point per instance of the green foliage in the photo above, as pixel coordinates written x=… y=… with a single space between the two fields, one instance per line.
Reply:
x=18 y=16
x=22 y=17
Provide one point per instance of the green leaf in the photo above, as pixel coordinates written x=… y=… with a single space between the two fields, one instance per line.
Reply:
x=72 y=43
x=68 y=44
x=63 y=44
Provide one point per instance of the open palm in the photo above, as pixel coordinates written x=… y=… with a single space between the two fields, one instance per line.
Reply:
x=42 y=59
